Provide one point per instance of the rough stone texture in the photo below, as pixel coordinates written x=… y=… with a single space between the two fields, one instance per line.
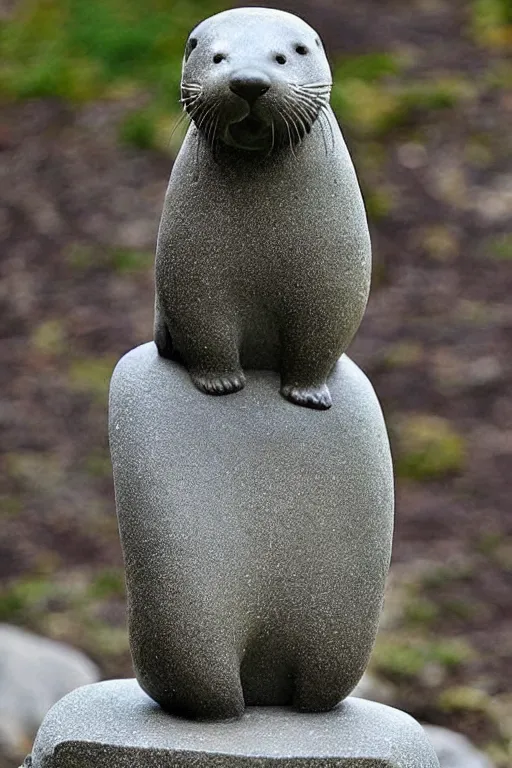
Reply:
x=116 y=724
x=256 y=536
x=454 y=750
x=263 y=257
x=34 y=673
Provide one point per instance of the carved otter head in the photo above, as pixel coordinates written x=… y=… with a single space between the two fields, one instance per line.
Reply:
x=255 y=78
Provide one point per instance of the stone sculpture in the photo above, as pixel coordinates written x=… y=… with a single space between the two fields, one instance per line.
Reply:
x=256 y=535
x=263 y=256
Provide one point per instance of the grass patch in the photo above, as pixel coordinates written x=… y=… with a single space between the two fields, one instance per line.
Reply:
x=20 y=600
x=106 y=584
x=492 y=22
x=464 y=699
x=83 y=257
x=372 y=107
x=92 y=375
x=500 y=247
x=139 y=129
x=407 y=657
x=40 y=471
x=79 y=50
x=428 y=447
x=49 y=338
x=128 y=260
x=403 y=354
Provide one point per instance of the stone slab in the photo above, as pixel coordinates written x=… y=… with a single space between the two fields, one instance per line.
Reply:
x=116 y=724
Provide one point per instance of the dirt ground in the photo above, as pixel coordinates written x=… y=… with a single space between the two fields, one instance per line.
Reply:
x=78 y=220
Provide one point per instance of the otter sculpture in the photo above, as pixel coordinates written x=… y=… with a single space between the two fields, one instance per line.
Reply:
x=256 y=534
x=263 y=256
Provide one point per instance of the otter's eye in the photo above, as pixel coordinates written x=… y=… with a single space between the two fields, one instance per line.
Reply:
x=301 y=49
x=191 y=44
x=280 y=58
x=218 y=58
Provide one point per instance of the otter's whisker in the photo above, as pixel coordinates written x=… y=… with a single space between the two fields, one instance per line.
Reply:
x=308 y=98
x=204 y=115
x=177 y=124
x=313 y=85
x=186 y=86
x=326 y=113
x=289 y=132
x=293 y=122
x=307 y=109
x=189 y=100
x=213 y=120
x=298 y=116
x=321 y=119
x=306 y=117
x=319 y=89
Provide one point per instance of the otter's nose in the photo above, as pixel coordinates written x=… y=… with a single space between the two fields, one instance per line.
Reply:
x=249 y=85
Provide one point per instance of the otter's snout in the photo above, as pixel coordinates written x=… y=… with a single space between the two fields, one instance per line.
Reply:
x=249 y=85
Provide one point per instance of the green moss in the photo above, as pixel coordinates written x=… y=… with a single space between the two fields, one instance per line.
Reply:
x=464 y=699
x=380 y=201
x=103 y=640
x=369 y=67
x=10 y=506
x=492 y=22
x=138 y=129
x=372 y=108
x=92 y=375
x=49 y=337
x=403 y=354
x=98 y=464
x=447 y=574
x=420 y=611
x=154 y=128
x=489 y=542
x=77 y=49
x=460 y=609
x=82 y=256
x=21 y=599
x=369 y=109
x=427 y=447
x=41 y=471
x=439 y=242
x=407 y=657
x=106 y=584
x=129 y=260
x=500 y=247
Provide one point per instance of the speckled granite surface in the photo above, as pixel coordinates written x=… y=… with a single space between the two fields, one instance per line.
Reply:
x=115 y=724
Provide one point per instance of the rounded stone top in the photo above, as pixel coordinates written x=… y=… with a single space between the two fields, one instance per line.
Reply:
x=115 y=723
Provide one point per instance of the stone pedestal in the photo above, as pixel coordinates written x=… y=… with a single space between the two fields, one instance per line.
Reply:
x=116 y=725
x=256 y=535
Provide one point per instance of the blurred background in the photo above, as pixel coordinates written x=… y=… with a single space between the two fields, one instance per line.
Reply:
x=423 y=92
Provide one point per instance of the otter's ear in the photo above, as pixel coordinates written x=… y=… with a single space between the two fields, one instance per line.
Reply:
x=191 y=44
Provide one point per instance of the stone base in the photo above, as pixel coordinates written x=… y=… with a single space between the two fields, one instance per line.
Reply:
x=115 y=725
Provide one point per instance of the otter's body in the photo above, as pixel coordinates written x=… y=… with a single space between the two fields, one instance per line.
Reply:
x=263 y=257
x=263 y=261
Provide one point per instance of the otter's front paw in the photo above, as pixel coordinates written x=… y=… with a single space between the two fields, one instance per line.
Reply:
x=309 y=397
x=224 y=384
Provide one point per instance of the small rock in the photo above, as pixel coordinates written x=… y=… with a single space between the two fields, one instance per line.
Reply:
x=34 y=674
x=454 y=750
